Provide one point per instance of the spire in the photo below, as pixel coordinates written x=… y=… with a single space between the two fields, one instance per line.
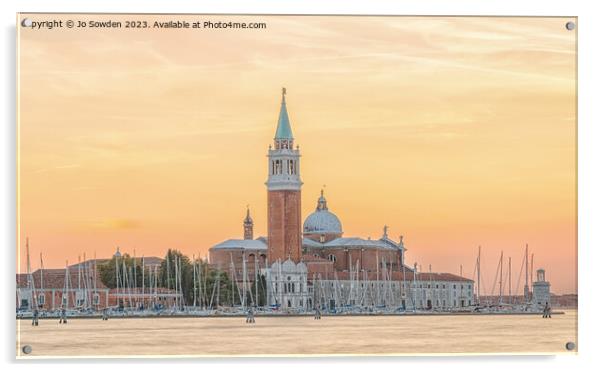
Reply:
x=248 y=225
x=322 y=206
x=248 y=218
x=284 y=130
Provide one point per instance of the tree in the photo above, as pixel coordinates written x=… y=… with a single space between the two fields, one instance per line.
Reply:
x=176 y=270
x=213 y=287
x=210 y=283
x=262 y=299
x=108 y=273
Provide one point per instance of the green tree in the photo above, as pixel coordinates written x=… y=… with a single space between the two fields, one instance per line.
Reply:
x=262 y=298
x=128 y=267
x=176 y=269
x=210 y=282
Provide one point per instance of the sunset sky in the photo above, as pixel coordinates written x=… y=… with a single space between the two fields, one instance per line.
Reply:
x=455 y=132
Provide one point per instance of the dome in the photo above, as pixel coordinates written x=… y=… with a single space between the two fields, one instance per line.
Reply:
x=322 y=221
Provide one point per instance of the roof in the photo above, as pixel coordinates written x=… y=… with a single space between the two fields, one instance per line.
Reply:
x=284 y=130
x=148 y=261
x=55 y=279
x=383 y=243
x=399 y=276
x=359 y=242
x=258 y=243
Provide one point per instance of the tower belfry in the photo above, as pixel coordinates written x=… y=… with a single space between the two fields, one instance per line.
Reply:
x=284 y=192
x=248 y=226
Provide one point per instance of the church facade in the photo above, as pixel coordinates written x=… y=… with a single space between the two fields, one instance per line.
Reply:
x=313 y=265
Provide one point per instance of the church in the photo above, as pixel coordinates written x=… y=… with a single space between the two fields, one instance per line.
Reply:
x=311 y=264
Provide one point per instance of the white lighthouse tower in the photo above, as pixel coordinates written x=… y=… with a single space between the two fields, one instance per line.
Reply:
x=541 y=290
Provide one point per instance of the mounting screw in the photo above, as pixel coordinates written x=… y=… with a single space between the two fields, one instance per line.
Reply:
x=26 y=349
x=570 y=346
x=570 y=26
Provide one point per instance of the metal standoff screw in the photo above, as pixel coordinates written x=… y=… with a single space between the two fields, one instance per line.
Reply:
x=26 y=349
x=570 y=26
x=570 y=346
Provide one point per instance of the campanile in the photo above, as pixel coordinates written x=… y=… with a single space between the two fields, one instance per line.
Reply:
x=284 y=193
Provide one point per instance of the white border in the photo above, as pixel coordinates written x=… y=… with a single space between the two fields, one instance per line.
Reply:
x=590 y=171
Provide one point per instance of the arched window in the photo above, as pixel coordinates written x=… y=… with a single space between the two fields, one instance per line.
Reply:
x=332 y=257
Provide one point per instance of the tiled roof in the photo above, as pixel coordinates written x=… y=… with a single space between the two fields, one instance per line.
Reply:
x=360 y=243
x=148 y=261
x=397 y=276
x=55 y=279
x=241 y=244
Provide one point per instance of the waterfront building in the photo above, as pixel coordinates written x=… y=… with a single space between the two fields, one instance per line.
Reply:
x=79 y=286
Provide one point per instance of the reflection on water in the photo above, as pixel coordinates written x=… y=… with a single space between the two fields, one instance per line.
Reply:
x=302 y=335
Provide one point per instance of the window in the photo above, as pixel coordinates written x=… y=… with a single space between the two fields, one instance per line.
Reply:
x=332 y=257
x=41 y=299
x=65 y=300
x=96 y=299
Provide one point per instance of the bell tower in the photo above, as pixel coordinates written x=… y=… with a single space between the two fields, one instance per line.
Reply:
x=284 y=193
x=248 y=226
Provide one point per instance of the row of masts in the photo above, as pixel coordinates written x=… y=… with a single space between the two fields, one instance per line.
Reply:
x=503 y=284
x=149 y=293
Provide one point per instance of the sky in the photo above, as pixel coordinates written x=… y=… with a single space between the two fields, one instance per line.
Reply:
x=454 y=132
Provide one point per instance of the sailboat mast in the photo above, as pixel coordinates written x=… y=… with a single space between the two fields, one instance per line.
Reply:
x=532 y=259
x=256 y=282
x=30 y=281
x=527 y=273
x=41 y=273
x=501 y=273
x=479 y=277
x=143 y=280
x=510 y=280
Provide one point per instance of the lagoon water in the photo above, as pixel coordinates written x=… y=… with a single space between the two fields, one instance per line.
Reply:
x=332 y=335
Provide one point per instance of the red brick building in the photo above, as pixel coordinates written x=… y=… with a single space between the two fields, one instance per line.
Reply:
x=80 y=286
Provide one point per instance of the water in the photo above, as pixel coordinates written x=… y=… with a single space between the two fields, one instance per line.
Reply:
x=300 y=335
